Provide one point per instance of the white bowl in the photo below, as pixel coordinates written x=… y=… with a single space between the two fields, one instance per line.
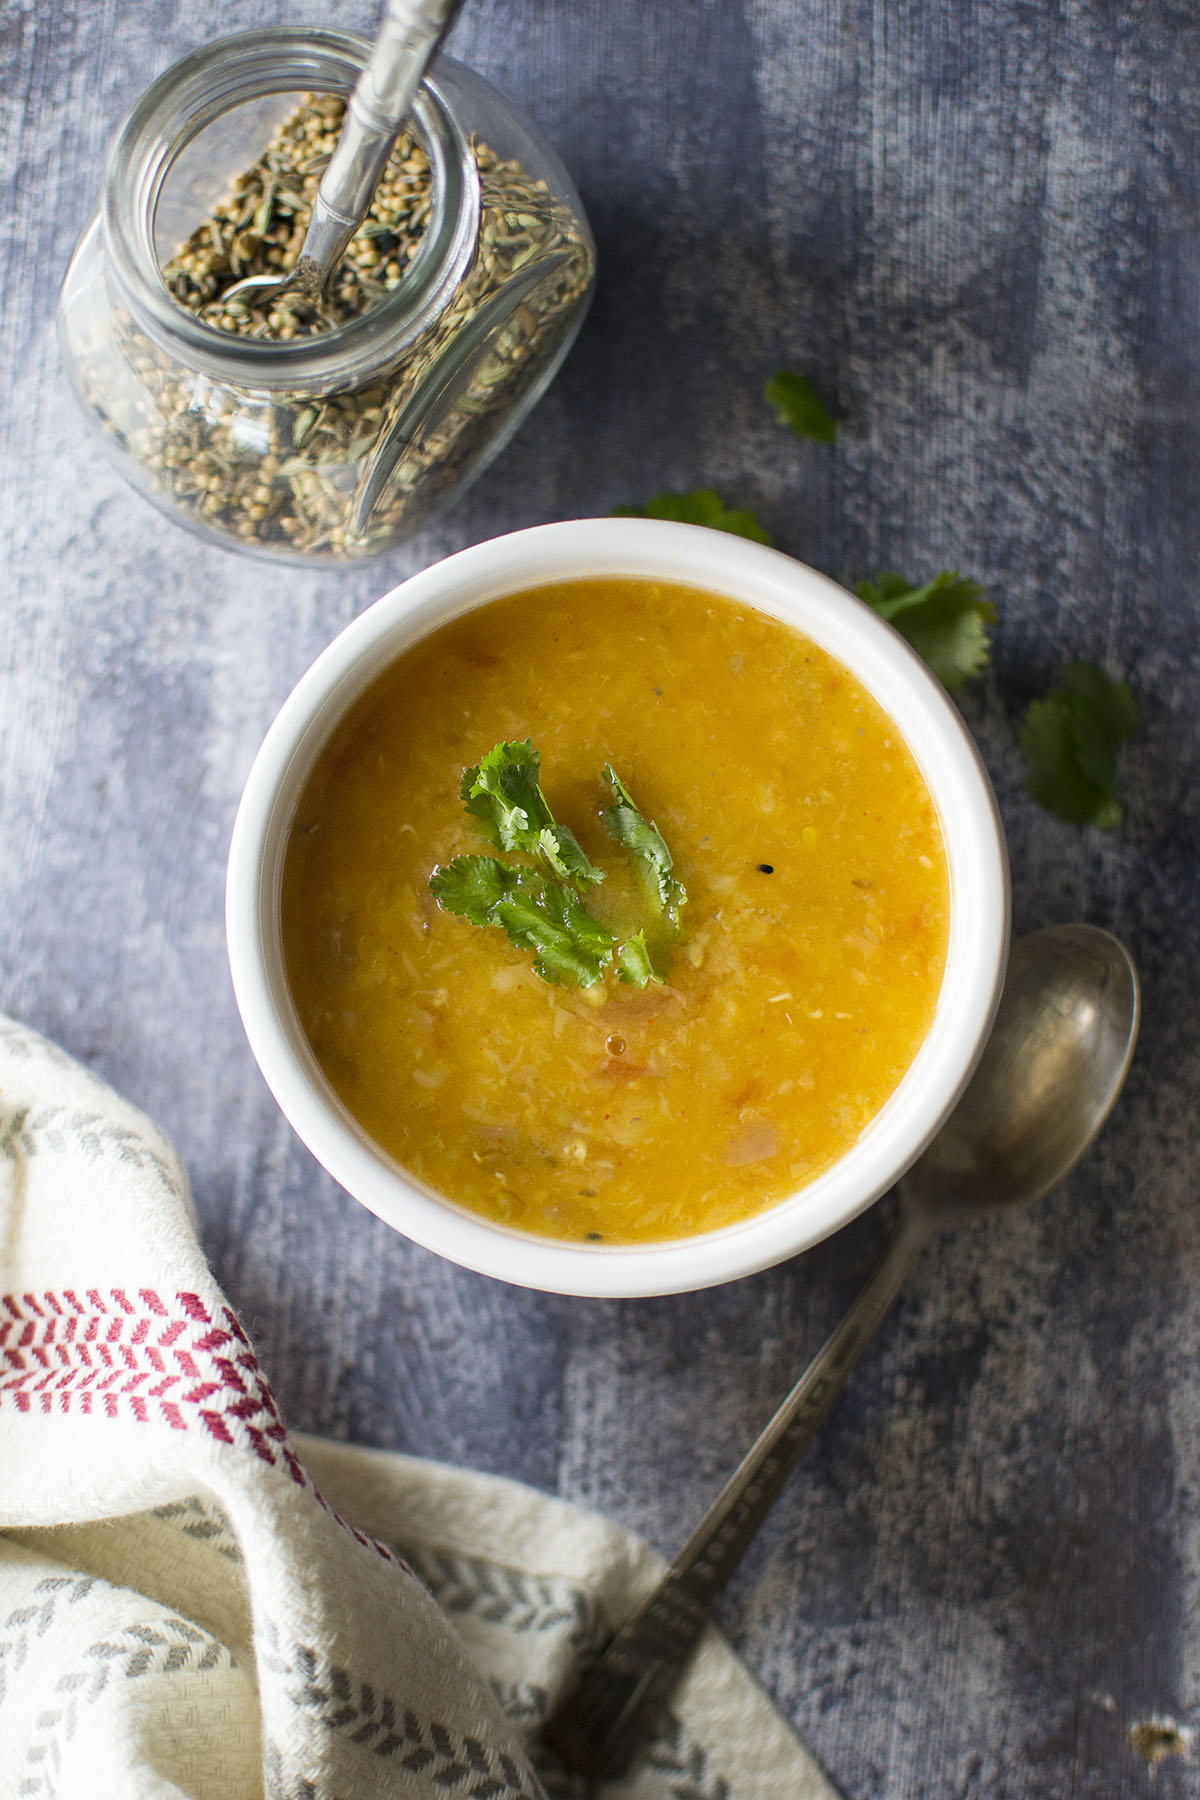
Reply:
x=774 y=584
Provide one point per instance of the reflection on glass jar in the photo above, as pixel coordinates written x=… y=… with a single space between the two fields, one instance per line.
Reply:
x=262 y=427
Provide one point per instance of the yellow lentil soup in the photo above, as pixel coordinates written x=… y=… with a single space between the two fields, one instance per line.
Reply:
x=815 y=929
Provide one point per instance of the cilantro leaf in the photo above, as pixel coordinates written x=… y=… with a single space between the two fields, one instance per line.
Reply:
x=1070 y=738
x=1105 y=715
x=702 y=506
x=625 y=824
x=633 y=962
x=503 y=793
x=945 y=621
x=472 y=886
x=570 y=947
x=545 y=913
x=796 y=404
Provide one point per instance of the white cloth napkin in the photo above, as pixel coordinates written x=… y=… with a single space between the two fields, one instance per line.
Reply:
x=194 y=1603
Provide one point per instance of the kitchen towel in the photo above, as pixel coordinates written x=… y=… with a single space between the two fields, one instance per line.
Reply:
x=194 y=1603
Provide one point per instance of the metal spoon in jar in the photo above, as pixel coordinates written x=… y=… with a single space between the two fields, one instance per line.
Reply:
x=410 y=36
x=1052 y=1069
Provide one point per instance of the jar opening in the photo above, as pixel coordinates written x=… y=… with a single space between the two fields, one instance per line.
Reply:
x=205 y=122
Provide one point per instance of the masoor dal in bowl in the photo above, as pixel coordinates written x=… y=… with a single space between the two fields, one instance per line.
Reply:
x=813 y=936
x=687 y=1071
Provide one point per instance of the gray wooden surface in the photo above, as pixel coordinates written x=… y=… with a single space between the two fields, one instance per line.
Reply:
x=976 y=223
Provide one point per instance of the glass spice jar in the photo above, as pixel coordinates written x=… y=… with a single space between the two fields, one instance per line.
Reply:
x=263 y=428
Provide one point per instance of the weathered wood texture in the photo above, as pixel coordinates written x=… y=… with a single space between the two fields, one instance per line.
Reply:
x=977 y=225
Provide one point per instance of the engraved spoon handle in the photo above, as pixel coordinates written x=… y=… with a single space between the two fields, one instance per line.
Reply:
x=409 y=37
x=607 y=1718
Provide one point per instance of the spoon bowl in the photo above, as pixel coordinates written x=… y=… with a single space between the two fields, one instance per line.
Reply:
x=1048 y=1077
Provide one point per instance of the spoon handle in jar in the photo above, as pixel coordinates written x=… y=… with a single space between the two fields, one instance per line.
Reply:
x=410 y=36
x=607 y=1718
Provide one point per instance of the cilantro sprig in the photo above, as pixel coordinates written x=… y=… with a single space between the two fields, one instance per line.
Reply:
x=796 y=404
x=539 y=907
x=946 y=621
x=701 y=506
x=1070 y=738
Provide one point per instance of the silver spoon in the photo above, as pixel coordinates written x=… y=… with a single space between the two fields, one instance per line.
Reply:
x=409 y=38
x=1052 y=1069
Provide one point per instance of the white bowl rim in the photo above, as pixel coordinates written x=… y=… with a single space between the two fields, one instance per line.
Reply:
x=662 y=551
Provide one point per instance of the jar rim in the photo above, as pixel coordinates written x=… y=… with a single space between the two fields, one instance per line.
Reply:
x=186 y=99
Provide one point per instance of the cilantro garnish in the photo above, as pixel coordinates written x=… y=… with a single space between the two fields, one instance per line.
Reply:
x=1071 y=738
x=544 y=912
x=797 y=405
x=945 y=621
x=702 y=506
x=624 y=823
